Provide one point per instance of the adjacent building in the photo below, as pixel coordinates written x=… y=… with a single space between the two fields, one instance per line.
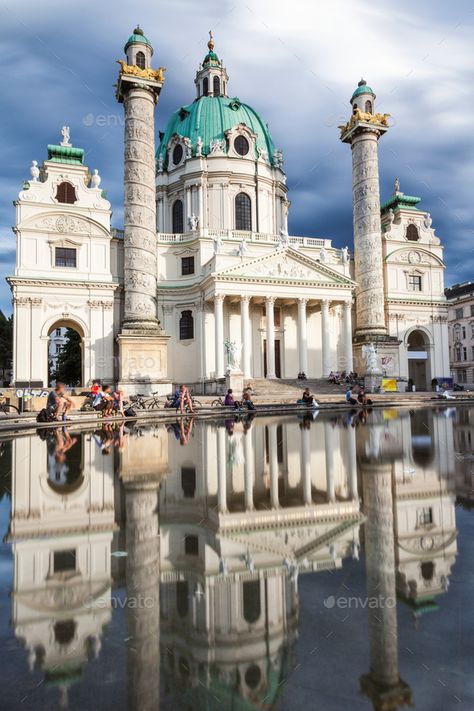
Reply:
x=461 y=332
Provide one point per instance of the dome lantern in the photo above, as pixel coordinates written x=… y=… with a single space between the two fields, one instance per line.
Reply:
x=211 y=77
x=138 y=49
x=363 y=98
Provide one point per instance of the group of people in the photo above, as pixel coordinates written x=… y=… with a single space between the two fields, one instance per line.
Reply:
x=106 y=400
x=245 y=402
x=343 y=377
x=357 y=396
x=302 y=375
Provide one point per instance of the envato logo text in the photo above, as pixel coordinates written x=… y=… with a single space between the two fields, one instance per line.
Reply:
x=347 y=603
x=136 y=602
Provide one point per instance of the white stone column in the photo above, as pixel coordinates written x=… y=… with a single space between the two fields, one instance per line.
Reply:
x=347 y=335
x=329 y=452
x=273 y=457
x=352 y=463
x=270 y=319
x=221 y=471
x=302 y=336
x=249 y=472
x=189 y=207
x=325 y=338
x=306 y=465
x=246 y=334
x=219 y=334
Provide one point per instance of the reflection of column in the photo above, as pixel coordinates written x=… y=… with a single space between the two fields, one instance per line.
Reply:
x=249 y=454
x=382 y=684
x=222 y=470
x=273 y=456
x=143 y=593
x=351 y=463
x=219 y=333
x=347 y=335
x=325 y=338
x=245 y=327
x=329 y=451
x=270 y=319
x=302 y=338
x=306 y=464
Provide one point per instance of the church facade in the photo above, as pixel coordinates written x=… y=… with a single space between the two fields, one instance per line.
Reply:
x=205 y=278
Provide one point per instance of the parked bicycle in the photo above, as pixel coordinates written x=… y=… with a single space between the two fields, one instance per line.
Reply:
x=6 y=408
x=146 y=402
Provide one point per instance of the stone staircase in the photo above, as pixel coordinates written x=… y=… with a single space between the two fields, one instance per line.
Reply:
x=285 y=389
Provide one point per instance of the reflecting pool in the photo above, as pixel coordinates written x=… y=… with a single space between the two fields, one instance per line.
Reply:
x=317 y=562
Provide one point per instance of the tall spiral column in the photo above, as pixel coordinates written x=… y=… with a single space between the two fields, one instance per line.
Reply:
x=142 y=363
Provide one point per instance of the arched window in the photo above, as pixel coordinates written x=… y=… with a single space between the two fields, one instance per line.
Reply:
x=66 y=193
x=216 y=86
x=251 y=600
x=186 y=326
x=243 y=212
x=427 y=570
x=205 y=86
x=178 y=222
x=354 y=107
x=368 y=107
x=412 y=233
x=140 y=60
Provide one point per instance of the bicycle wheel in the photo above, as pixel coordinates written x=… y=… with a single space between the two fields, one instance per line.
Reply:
x=216 y=403
x=197 y=404
x=153 y=404
x=9 y=409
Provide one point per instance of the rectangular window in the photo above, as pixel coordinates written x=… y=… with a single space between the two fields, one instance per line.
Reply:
x=187 y=266
x=188 y=482
x=462 y=376
x=472 y=309
x=425 y=516
x=472 y=330
x=463 y=332
x=191 y=545
x=58 y=331
x=459 y=313
x=58 y=348
x=464 y=353
x=65 y=257
x=64 y=561
x=472 y=352
x=414 y=282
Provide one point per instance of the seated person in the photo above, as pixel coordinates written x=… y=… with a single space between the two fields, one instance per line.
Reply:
x=307 y=398
x=59 y=403
x=95 y=388
x=363 y=399
x=103 y=401
x=350 y=397
x=247 y=400
x=229 y=400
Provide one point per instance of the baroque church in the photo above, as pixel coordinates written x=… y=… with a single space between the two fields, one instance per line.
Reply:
x=205 y=279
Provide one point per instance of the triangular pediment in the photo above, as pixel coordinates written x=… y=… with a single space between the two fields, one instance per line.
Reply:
x=284 y=265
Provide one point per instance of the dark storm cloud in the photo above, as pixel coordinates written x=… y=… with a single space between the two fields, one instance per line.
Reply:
x=297 y=65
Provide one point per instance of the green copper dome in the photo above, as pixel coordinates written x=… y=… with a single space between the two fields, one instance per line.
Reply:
x=211 y=58
x=137 y=38
x=362 y=88
x=210 y=117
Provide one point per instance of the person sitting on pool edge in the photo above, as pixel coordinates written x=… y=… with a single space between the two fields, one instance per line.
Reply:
x=184 y=397
x=363 y=399
x=350 y=397
x=103 y=401
x=59 y=404
x=229 y=400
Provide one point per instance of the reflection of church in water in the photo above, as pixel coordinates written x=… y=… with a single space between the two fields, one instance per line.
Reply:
x=217 y=533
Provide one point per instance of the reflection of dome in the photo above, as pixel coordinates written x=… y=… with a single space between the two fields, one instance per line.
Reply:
x=220 y=687
x=210 y=117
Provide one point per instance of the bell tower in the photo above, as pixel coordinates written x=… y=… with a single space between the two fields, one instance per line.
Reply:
x=142 y=344
x=211 y=77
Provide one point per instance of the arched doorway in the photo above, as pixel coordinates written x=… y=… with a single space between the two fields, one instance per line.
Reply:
x=418 y=353
x=65 y=354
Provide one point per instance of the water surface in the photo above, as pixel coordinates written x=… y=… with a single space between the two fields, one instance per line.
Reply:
x=257 y=563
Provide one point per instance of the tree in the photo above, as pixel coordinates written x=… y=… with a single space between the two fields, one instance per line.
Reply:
x=68 y=368
x=6 y=345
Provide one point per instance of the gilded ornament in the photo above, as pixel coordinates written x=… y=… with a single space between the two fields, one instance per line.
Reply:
x=149 y=73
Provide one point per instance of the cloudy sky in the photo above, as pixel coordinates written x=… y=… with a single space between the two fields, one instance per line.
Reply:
x=297 y=63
